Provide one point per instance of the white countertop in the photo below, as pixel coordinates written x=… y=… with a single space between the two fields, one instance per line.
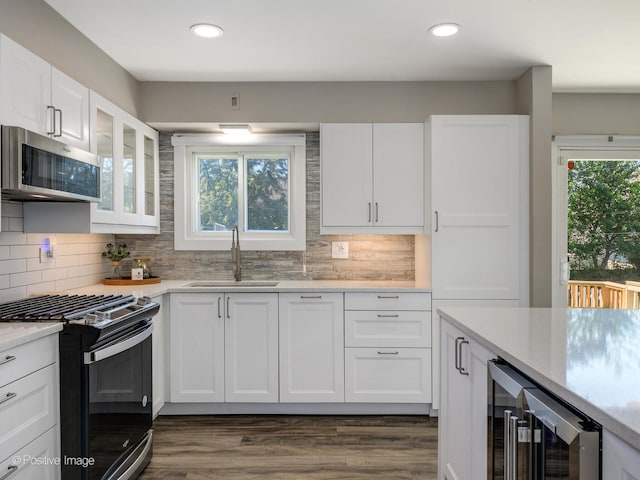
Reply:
x=589 y=357
x=13 y=334
x=168 y=286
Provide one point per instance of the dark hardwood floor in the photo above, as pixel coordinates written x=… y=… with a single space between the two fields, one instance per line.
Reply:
x=294 y=447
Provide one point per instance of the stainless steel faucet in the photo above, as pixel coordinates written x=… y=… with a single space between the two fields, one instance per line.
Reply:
x=235 y=252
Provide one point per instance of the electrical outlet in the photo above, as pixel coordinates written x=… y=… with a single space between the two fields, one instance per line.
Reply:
x=339 y=249
x=46 y=255
x=235 y=102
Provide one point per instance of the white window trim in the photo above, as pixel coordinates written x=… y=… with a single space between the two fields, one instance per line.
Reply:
x=185 y=238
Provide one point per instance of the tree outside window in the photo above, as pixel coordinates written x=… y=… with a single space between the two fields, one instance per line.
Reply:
x=604 y=219
x=264 y=179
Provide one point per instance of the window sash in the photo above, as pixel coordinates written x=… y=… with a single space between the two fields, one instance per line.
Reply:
x=186 y=236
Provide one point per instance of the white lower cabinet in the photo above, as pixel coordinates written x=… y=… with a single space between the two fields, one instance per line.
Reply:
x=251 y=347
x=29 y=410
x=462 y=422
x=311 y=347
x=224 y=347
x=388 y=375
x=197 y=348
x=620 y=461
x=32 y=459
x=388 y=347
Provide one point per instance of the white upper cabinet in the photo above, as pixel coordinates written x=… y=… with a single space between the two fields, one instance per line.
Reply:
x=372 y=177
x=25 y=88
x=127 y=151
x=40 y=98
x=479 y=200
x=71 y=109
x=398 y=175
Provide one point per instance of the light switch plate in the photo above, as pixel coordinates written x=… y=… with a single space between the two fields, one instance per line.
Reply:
x=339 y=249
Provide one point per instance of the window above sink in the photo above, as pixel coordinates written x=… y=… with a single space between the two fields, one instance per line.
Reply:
x=221 y=181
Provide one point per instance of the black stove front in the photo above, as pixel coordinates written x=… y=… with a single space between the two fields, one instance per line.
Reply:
x=105 y=380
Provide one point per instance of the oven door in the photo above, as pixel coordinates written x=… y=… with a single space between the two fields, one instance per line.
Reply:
x=119 y=406
x=564 y=445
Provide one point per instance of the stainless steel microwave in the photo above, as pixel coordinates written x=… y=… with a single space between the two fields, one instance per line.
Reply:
x=35 y=167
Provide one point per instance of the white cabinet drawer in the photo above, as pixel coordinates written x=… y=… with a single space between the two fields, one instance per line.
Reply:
x=28 y=408
x=387 y=329
x=393 y=375
x=19 y=361
x=387 y=301
x=34 y=459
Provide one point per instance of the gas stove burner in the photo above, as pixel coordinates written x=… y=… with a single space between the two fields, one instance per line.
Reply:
x=60 y=308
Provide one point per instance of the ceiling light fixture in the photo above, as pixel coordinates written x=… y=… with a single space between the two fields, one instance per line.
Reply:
x=444 y=29
x=207 y=30
x=236 y=129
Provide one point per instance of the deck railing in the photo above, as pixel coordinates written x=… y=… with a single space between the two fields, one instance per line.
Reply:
x=587 y=294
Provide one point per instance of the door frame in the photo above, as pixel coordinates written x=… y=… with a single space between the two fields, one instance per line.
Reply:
x=563 y=148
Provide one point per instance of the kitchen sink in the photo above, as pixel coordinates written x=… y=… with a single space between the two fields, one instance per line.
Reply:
x=231 y=284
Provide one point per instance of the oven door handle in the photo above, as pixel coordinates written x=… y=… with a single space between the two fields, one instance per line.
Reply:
x=115 y=349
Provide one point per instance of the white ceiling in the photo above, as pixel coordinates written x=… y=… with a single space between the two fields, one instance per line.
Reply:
x=592 y=45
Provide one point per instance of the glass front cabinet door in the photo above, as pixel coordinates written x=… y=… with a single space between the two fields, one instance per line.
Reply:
x=127 y=150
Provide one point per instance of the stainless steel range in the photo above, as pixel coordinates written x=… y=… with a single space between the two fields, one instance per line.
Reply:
x=105 y=380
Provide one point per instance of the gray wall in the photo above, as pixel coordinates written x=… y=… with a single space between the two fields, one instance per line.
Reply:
x=534 y=99
x=167 y=102
x=39 y=28
x=596 y=113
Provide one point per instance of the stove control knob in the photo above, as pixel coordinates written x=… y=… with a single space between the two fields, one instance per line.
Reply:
x=144 y=300
x=90 y=318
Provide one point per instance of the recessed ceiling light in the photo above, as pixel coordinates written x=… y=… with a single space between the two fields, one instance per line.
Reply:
x=236 y=129
x=207 y=30
x=445 y=29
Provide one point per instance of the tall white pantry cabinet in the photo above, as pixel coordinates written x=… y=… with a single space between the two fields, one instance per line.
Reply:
x=479 y=215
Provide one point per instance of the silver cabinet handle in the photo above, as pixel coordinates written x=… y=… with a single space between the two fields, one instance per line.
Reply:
x=463 y=371
x=59 y=126
x=392 y=297
x=53 y=119
x=513 y=438
x=388 y=353
x=7 y=359
x=219 y=313
x=507 y=444
x=376 y=212
x=437 y=221
x=8 y=397
x=11 y=470
x=369 y=212
x=457 y=352
x=394 y=315
x=310 y=296
x=228 y=313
